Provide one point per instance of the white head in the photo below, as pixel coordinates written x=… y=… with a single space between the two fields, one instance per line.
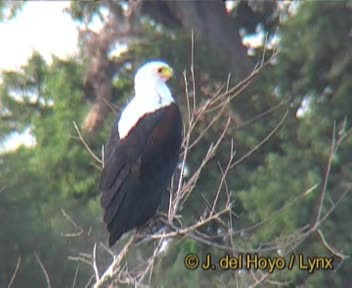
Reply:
x=151 y=94
x=151 y=77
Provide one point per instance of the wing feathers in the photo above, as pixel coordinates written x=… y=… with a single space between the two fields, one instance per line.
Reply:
x=131 y=196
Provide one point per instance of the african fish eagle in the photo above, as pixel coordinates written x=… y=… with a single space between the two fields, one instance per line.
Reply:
x=142 y=152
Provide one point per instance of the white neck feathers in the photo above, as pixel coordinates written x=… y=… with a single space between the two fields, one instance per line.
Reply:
x=150 y=96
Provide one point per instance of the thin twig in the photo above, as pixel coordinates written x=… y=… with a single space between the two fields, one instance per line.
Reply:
x=261 y=115
x=80 y=259
x=332 y=208
x=113 y=268
x=217 y=103
x=256 y=147
x=74 y=224
x=195 y=226
x=258 y=281
x=86 y=145
x=330 y=248
x=43 y=269
x=15 y=272
x=96 y=271
x=89 y=281
x=333 y=148
x=109 y=251
x=192 y=71
x=75 y=276
x=113 y=109
x=326 y=177
x=223 y=177
x=277 y=212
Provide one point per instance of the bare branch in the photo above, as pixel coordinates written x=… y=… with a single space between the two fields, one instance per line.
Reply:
x=86 y=145
x=89 y=281
x=218 y=103
x=113 y=269
x=331 y=249
x=185 y=231
x=75 y=277
x=96 y=272
x=223 y=177
x=256 y=147
x=335 y=143
x=80 y=229
x=15 y=272
x=43 y=269
x=326 y=177
x=215 y=211
x=279 y=211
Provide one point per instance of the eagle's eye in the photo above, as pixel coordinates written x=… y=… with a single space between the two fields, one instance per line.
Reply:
x=164 y=72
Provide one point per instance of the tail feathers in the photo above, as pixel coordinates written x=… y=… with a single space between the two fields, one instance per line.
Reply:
x=113 y=238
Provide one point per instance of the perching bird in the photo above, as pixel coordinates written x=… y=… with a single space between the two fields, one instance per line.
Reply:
x=142 y=152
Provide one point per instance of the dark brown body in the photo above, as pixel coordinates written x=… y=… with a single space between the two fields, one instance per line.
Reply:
x=138 y=170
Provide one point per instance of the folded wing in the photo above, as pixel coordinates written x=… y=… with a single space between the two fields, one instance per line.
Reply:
x=138 y=169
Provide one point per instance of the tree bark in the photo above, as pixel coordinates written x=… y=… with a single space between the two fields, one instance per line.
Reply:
x=210 y=22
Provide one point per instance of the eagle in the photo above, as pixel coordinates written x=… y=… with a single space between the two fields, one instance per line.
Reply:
x=142 y=152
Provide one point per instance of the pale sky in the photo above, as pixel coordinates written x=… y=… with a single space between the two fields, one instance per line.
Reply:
x=41 y=26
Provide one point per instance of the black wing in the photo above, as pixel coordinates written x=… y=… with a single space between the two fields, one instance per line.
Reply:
x=138 y=169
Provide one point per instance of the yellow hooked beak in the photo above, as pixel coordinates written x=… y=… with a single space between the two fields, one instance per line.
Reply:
x=166 y=72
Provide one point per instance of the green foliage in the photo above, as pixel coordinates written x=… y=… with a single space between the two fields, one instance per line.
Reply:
x=40 y=181
x=314 y=65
